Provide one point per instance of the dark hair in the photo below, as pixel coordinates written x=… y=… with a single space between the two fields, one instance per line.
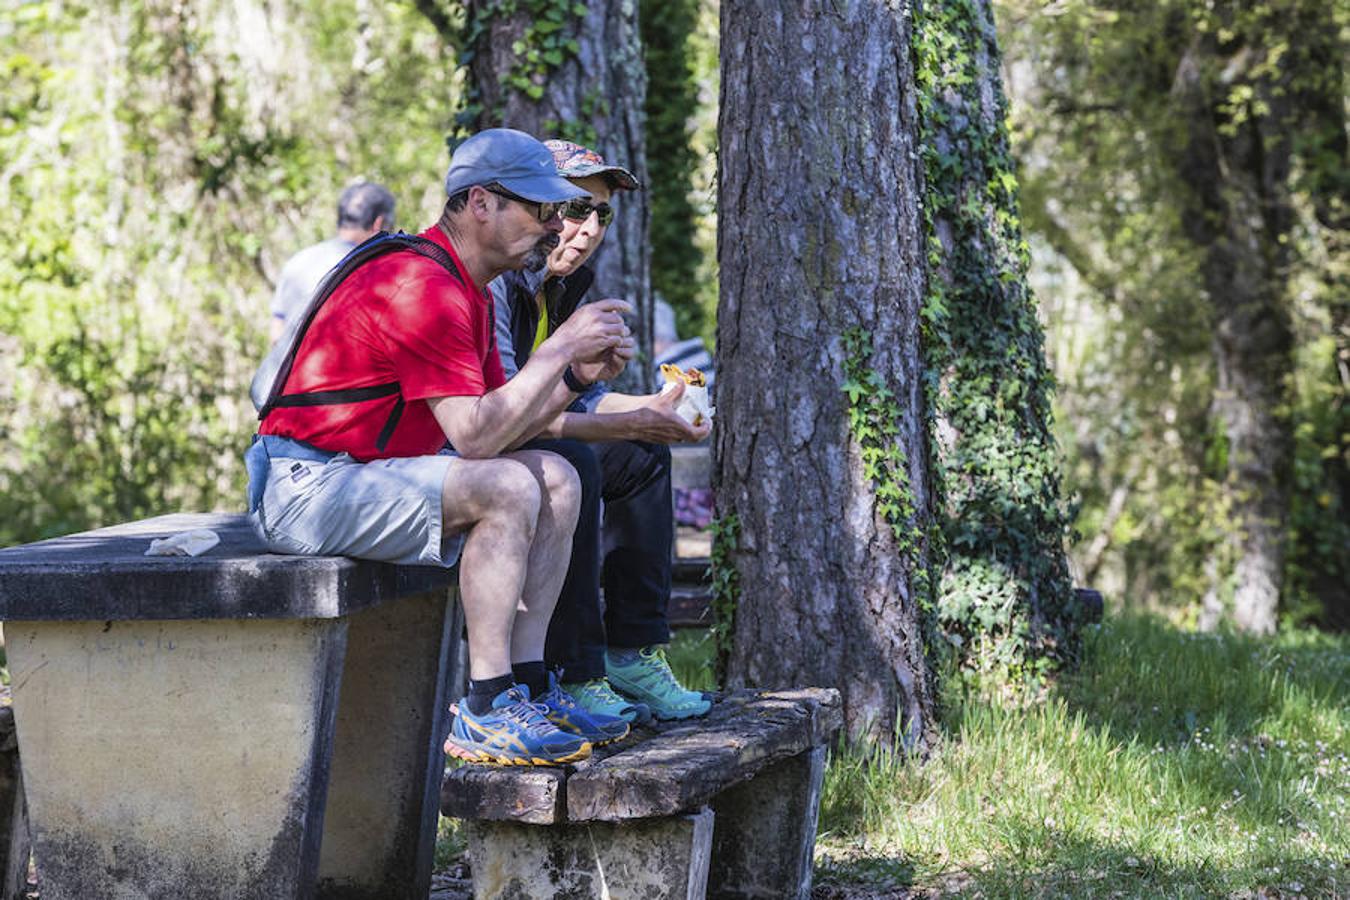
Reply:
x=361 y=204
x=460 y=199
x=457 y=201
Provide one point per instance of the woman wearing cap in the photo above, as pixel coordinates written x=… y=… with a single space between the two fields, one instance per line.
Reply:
x=612 y=662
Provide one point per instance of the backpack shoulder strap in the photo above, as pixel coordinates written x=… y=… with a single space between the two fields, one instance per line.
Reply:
x=267 y=390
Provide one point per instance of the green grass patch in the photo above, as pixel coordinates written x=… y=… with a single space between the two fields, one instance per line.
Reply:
x=691 y=656
x=1171 y=764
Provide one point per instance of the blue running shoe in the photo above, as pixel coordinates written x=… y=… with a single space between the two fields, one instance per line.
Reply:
x=563 y=710
x=514 y=732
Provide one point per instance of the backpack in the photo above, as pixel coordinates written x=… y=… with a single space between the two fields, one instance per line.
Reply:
x=269 y=384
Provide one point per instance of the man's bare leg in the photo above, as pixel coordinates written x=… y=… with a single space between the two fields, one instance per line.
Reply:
x=497 y=501
x=550 y=553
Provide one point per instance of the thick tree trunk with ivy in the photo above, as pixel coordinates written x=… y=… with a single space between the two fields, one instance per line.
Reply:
x=821 y=470
x=566 y=69
x=1006 y=597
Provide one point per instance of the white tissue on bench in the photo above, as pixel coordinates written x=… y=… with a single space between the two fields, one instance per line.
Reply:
x=184 y=543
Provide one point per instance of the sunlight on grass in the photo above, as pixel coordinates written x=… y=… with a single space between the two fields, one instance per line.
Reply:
x=691 y=659
x=1172 y=764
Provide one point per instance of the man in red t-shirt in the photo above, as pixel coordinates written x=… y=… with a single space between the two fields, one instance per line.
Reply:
x=399 y=360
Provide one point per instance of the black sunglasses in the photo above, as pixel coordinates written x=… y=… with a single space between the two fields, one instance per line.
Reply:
x=580 y=211
x=544 y=212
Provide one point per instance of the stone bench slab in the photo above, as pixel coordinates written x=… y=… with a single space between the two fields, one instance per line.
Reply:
x=104 y=575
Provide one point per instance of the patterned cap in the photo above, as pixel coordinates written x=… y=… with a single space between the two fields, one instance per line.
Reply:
x=576 y=161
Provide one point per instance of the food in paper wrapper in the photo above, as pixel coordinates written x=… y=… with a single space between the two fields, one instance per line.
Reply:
x=693 y=406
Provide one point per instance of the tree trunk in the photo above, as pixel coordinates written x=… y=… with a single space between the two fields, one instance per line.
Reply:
x=1006 y=592
x=580 y=79
x=1240 y=215
x=820 y=434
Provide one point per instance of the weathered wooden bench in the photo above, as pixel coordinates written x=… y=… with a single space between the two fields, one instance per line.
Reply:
x=234 y=725
x=723 y=806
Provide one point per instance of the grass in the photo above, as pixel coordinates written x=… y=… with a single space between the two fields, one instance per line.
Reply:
x=1171 y=764
x=690 y=656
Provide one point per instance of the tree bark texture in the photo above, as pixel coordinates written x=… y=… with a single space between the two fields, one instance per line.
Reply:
x=596 y=97
x=1239 y=215
x=820 y=235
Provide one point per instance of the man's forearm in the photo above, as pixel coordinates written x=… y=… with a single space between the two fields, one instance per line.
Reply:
x=619 y=403
x=486 y=426
x=590 y=426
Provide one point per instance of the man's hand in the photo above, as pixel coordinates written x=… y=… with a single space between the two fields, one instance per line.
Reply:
x=608 y=367
x=594 y=330
x=657 y=421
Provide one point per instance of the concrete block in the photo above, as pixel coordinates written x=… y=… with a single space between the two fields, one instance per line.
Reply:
x=380 y=824
x=172 y=759
x=765 y=832
x=645 y=859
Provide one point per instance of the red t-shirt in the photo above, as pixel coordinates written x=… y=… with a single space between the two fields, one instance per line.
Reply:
x=400 y=317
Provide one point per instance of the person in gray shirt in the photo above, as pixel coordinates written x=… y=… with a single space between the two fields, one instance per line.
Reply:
x=364 y=210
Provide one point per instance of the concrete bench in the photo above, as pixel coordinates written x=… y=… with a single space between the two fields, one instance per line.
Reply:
x=724 y=806
x=234 y=725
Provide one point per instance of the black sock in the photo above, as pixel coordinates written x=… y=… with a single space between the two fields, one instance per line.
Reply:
x=482 y=693
x=533 y=675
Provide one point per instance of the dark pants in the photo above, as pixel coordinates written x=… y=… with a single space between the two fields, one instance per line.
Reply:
x=632 y=550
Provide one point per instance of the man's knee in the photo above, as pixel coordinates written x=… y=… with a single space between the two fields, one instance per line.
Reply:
x=563 y=487
x=499 y=488
x=582 y=458
x=630 y=467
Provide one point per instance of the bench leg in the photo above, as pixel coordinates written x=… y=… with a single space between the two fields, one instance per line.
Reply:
x=383 y=794
x=14 y=842
x=172 y=759
x=766 y=831
x=652 y=859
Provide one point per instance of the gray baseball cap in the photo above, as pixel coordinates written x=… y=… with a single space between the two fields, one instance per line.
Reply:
x=513 y=159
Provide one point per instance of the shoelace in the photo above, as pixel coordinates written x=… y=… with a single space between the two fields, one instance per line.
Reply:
x=599 y=689
x=662 y=670
x=556 y=697
x=528 y=714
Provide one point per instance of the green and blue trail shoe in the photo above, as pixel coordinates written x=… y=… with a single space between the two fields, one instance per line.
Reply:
x=646 y=677
x=514 y=732
x=563 y=710
x=597 y=697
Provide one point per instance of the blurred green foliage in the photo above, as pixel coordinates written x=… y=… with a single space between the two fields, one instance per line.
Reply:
x=160 y=162
x=1131 y=326
x=672 y=97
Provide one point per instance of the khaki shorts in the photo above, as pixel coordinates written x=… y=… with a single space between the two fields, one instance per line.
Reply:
x=314 y=504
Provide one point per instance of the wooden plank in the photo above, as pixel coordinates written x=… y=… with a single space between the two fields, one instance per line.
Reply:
x=689 y=763
x=504 y=794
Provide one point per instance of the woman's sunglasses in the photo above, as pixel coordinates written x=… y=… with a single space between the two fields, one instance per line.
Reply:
x=580 y=211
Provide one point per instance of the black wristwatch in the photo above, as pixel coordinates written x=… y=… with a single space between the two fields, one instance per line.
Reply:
x=574 y=383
